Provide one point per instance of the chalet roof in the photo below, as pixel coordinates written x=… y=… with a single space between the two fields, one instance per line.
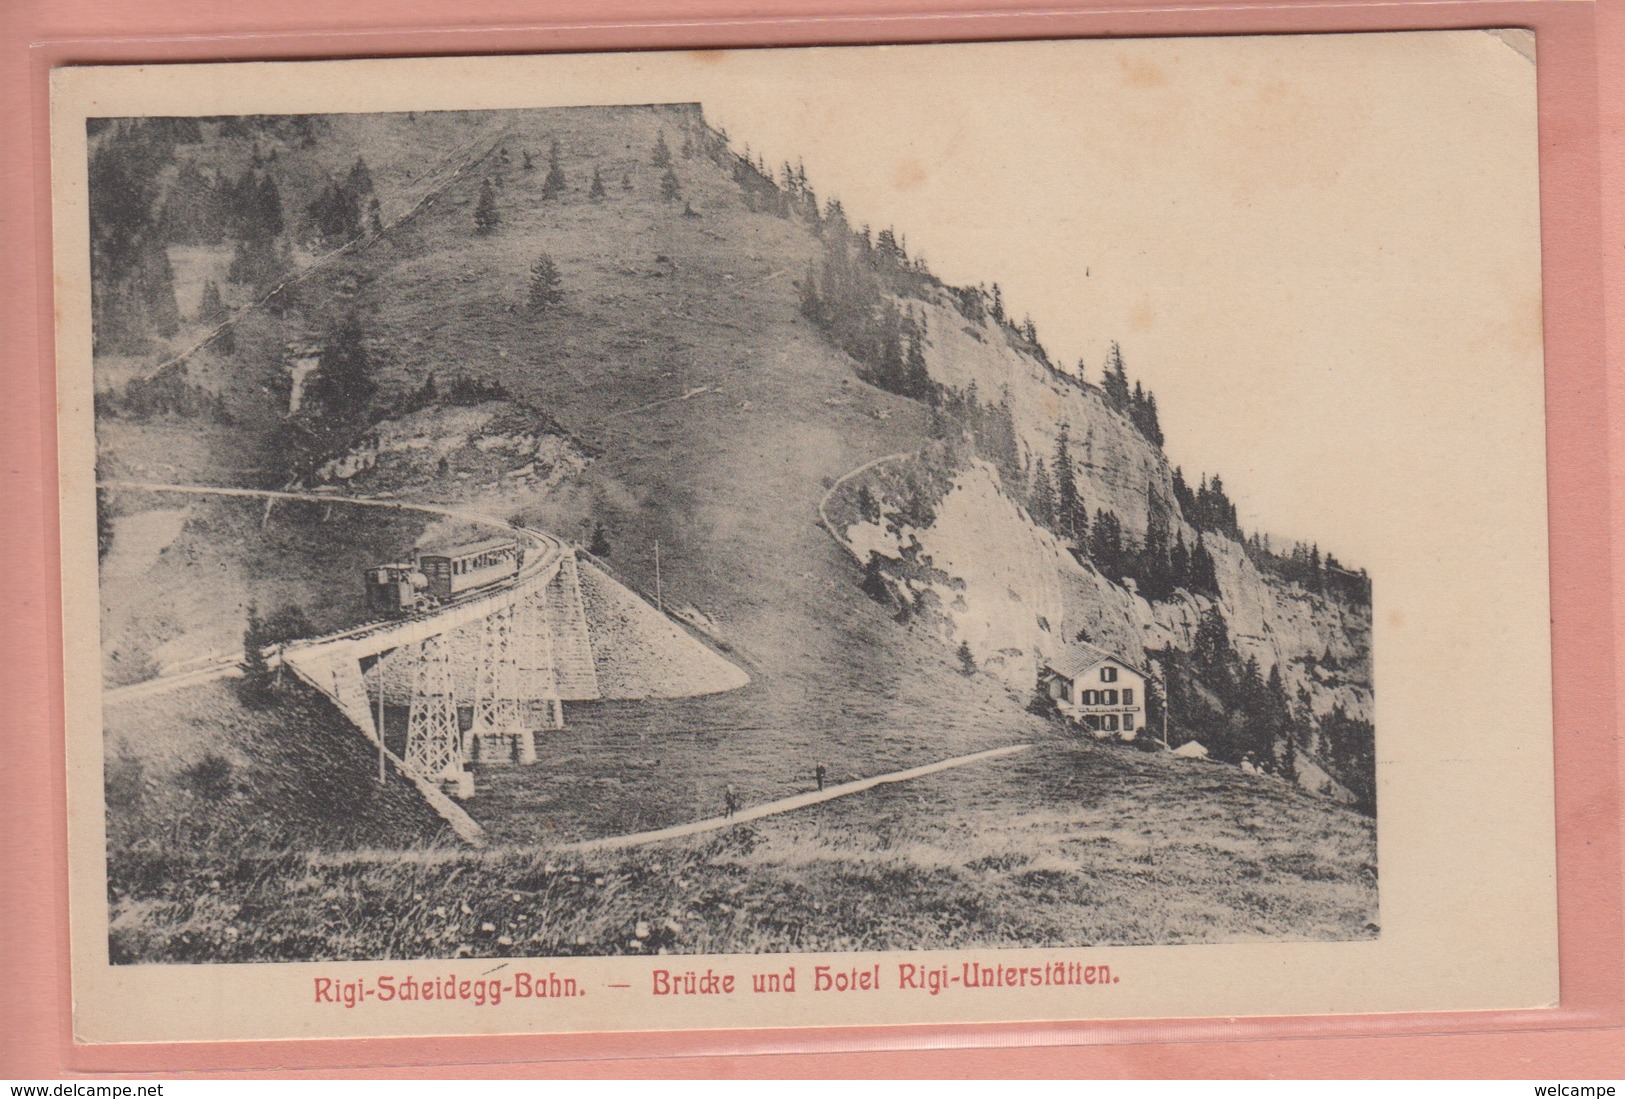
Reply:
x=1080 y=657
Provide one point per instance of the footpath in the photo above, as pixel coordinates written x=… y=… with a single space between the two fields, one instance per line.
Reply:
x=790 y=804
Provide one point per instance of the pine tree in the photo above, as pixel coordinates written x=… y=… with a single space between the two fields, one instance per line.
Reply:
x=670 y=189
x=256 y=681
x=1252 y=697
x=1115 y=380
x=545 y=288
x=835 y=218
x=194 y=211
x=662 y=154
x=916 y=377
x=1280 y=722
x=875 y=585
x=1212 y=647
x=213 y=309
x=334 y=215
x=266 y=220
x=1153 y=428
x=868 y=506
x=812 y=306
x=596 y=192
x=1179 y=562
x=1156 y=705
x=486 y=215
x=342 y=383
x=1042 y=499
x=967 y=659
x=1185 y=498
x=1106 y=544
x=599 y=545
x=1154 y=568
x=359 y=181
x=104 y=524
x=1041 y=703
x=553 y=185
x=889 y=369
x=1071 y=517
x=1204 y=570
x=1303 y=718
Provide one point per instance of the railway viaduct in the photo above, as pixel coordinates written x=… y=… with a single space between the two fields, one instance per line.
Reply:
x=509 y=656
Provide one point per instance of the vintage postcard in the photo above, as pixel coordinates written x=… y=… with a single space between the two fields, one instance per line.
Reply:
x=985 y=533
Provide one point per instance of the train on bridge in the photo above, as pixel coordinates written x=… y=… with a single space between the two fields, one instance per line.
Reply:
x=435 y=578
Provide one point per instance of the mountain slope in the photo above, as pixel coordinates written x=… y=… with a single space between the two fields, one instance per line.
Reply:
x=705 y=418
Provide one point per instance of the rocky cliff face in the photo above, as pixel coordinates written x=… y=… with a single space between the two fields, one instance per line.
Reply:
x=491 y=441
x=1117 y=469
x=1017 y=594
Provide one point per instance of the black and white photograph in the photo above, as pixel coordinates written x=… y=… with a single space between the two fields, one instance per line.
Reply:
x=914 y=518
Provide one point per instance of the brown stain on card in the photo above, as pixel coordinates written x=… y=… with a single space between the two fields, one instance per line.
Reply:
x=1142 y=316
x=709 y=58
x=1284 y=140
x=1396 y=619
x=1522 y=325
x=1139 y=72
x=908 y=174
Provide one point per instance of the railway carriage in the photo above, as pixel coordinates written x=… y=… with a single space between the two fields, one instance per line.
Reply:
x=470 y=567
x=443 y=576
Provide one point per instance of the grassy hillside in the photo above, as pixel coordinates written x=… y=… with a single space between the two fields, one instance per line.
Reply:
x=659 y=304
x=1052 y=847
x=715 y=417
x=200 y=786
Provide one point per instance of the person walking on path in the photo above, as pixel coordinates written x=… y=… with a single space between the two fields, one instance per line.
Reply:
x=818 y=773
x=730 y=801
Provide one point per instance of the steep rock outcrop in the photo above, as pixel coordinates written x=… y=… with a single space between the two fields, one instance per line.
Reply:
x=1119 y=470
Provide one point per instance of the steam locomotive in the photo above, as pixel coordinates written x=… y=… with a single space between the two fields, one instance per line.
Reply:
x=432 y=579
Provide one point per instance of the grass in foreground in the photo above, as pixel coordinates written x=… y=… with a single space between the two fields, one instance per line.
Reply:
x=1066 y=845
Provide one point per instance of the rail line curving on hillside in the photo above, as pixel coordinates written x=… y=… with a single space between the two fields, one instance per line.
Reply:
x=548 y=552
x=823 y=503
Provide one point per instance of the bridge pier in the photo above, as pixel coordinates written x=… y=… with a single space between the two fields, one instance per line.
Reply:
x=503 y=746
x=434 y=738
x=508 y=657
x=457 y=784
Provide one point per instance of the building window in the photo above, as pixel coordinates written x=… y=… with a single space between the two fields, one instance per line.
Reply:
x=1090 y=698
x=1091 y=722
x=1128 y=723
x=1108 y=698
x=1108 y=722
x=1108 y=675
x=1128 y=696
